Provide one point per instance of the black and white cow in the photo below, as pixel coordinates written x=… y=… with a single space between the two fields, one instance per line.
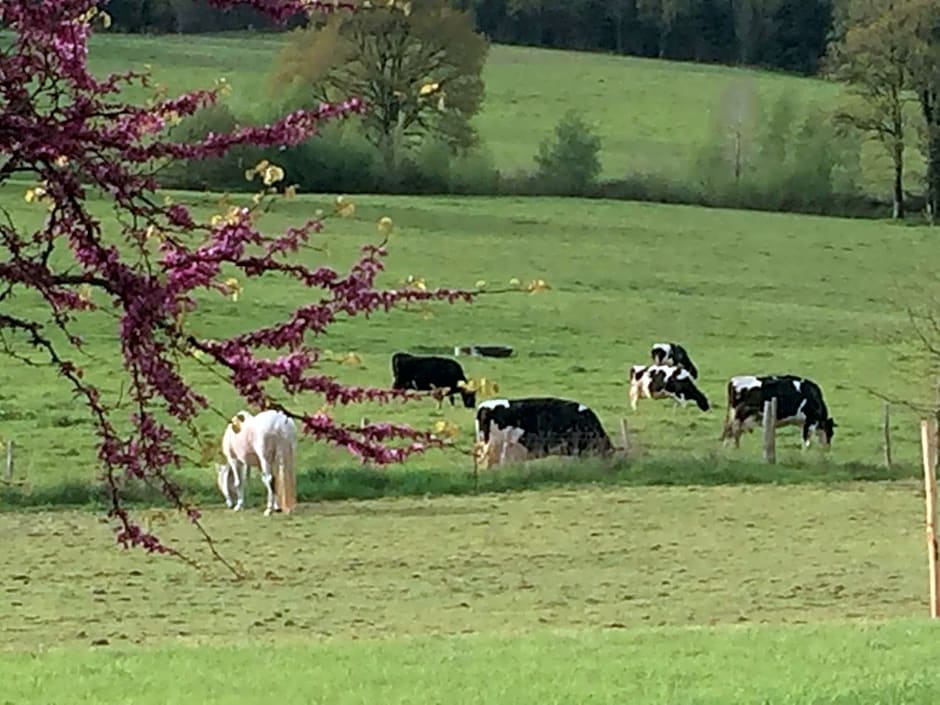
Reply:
x=427 y=372
x=673 y=354
x=664 y=381
x=549 y=425
x=799 y=403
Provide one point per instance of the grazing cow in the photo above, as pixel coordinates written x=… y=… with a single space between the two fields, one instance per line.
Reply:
x=502 y=447
x=267 y=440
x=799 y=403
x=428 y=372
x=549 y=426
x=662 y=381
x=673 y=354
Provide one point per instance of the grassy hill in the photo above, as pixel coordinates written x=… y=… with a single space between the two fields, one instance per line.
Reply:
x=651 y=115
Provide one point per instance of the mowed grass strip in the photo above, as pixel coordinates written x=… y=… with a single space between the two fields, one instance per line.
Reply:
x=499 y=565
x=744 y=292
x=849 y=664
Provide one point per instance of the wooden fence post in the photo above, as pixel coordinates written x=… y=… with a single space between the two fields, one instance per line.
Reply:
x=624 y=436
x=887 y=435
x=928 y=442
x=9 y=474
x=770 y=431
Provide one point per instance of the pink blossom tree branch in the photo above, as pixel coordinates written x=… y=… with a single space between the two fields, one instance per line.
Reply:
x=80 y=140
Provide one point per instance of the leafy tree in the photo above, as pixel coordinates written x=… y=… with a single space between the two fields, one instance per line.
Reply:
x=416 y=64
x=874 y=55
x=570 y=159
x=899 y=42
x=922 y=19
x=139 y=272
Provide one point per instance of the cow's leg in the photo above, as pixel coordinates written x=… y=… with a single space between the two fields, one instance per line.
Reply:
x=807 y=433
x=634 y=396
x=733 y=428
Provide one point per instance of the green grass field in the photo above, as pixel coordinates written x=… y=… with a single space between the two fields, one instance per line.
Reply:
x=651 y=115
x=690 y=573
x=745 y=292
x=653 y=595
x=539 y=597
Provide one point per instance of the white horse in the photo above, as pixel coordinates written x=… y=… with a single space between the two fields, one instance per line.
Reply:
x=267 y=440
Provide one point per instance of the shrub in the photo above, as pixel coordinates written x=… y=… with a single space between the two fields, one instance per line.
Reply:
x=569 y=161
x=221 y=173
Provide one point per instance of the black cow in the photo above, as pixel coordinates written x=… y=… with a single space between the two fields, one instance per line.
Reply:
x=799 y=403
x=662 y=381
x=427 y=372
x=673 y=354
x=550 y=426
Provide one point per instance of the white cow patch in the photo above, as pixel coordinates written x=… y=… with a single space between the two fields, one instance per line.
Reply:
x=493 y=404
x=488 y=404
x=744 y=382
x=582 y=407
x=797 y=384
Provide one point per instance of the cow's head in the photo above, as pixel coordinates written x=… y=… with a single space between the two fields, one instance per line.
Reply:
x=468 y=393
x=659 y=353
x=682 y=386
x=826 y=430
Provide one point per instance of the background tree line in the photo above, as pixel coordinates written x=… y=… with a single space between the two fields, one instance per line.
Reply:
x=784 y=34
x=419 y=64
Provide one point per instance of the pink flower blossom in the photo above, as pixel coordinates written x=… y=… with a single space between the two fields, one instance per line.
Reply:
x=81 y=140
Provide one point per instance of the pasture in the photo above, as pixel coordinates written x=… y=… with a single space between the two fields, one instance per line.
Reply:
x=651 y=115
x=749 y=293
x=537 y=597
x=655 y=581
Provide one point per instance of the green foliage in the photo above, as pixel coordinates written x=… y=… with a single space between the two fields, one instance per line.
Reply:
x=185 y=16
x=874 y=54
x=418 y=70
x=784 y=34
x=221 y=173
x=568 y=162
x=667 y=113
x=793 y=158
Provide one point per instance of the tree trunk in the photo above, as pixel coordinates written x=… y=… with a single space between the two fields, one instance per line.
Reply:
x=618 y=27
x=928 y=100
x=898 y=210
x=933 y=172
